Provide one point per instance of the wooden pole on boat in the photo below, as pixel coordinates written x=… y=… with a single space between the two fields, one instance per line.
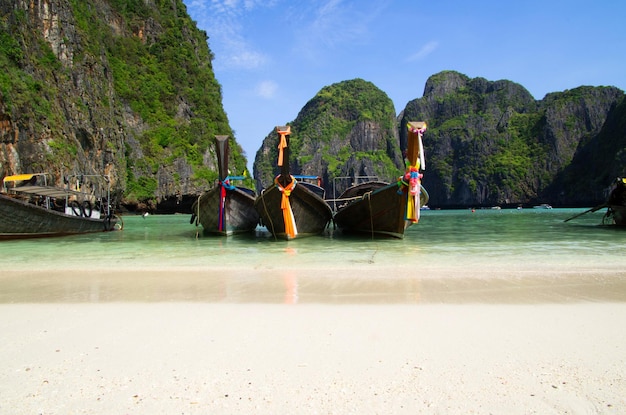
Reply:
x=221 y=150
x=414 y=147
x=593 y=209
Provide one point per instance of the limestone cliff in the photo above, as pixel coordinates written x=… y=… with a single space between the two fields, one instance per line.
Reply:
x=348 y=129
x=124 y=88
x=491 y=143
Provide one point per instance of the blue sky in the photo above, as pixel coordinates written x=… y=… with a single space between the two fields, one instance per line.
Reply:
x=273 y=56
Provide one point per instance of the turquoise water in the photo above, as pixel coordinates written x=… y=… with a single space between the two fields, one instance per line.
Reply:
x=504 y=238
x=449 y=256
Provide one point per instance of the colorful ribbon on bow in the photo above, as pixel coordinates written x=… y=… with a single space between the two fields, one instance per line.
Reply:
x=413 y=176
x=290 y=222
x=224 y=186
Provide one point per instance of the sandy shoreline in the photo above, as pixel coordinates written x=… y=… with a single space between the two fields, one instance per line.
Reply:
x=129 y=341
x=359 y=285
x=193 y=358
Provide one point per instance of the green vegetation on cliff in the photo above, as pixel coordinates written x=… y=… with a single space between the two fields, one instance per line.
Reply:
x=346 y=129
x=127 y=78
x=491 y=143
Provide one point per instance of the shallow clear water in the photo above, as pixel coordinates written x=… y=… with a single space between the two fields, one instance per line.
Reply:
x=449 y=256
x=506 y=238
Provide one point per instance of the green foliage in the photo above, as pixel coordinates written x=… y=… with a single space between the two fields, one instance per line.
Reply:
x=160 y=65
x=335 y=161
x=131 y=9
x=338 y=107
x=9 y=48
x=153 y=77
x=141 y=188
x=48 y=59
x=324 y=125
x=205 y=175
x=21 y=91
x=370 y=102
x=63 y=148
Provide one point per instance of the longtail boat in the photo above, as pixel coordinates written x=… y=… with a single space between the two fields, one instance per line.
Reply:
x=387 y=209
x=226 y=209
x=288 y=208
x=616 y=206
x=30 y=208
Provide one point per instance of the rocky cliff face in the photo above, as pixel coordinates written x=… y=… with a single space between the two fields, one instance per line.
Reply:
x=491 y=143
x=126 y=88
x=598 y=159
x=488 y=142
x=110 y=87
x=348 y=129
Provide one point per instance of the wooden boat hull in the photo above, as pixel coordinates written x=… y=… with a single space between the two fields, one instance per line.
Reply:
x=615 y=215
x=377 y=208
x=19 y=219
x=240 y=216
x=311 y=212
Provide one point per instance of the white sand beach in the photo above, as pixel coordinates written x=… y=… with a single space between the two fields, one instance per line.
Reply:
x=105 y=345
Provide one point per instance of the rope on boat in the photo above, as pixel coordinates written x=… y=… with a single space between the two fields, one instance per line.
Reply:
x=290 y=222
x=267 y=215
x=224 y=187
x=197 y=216
x=221 y=217
x=368 y=195
x=119 y=225
x=345 y=199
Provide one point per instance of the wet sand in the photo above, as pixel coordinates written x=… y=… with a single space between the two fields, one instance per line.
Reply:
x=276 y=342
x=360 y=285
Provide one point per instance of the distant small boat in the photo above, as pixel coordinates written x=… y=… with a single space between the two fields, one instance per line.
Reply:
x=30 y=208
x=290 y=208
x=542 y=206
x=387 y=209
x=226 y=209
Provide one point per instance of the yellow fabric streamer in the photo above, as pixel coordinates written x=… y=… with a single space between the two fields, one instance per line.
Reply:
x=290 y=222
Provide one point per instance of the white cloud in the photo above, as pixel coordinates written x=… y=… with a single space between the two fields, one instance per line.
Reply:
x=330 y=24
x=240 y=55
x=266 y=89
x=426 y=50
x=223 y=20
